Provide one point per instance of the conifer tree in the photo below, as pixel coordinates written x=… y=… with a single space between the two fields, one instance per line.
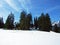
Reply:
x=48 y=22
x=36 y=23
x=41 y=22
x=55 y=28
x=1 y=23
x=23 y=20
x=10 y=21
x=29 y=20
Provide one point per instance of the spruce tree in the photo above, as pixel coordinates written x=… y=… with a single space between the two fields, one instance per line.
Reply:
x=55 y=28
x=10 y=21
x=23 y=20
x=48 y=25
x=1 y=23
x=29 y=21
x=36 y=23
x=41 y=22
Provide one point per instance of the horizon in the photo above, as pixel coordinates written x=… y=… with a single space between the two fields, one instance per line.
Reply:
x=36 y=7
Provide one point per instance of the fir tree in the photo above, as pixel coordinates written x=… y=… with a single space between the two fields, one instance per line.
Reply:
x=41 y=22
x=23 y=20
x=10 y=21
x=36 y=23
x=1 y=23
x=48 y=22
x=55 y=28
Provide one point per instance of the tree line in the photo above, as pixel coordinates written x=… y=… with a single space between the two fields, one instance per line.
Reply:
x=41 y=23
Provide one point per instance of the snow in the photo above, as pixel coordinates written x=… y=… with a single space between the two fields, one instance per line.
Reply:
x=18 y=37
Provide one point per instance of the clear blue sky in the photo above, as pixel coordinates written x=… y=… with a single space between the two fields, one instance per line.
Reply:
x=36 y=7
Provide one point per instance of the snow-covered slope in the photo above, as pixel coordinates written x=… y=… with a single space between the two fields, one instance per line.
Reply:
x=18 y=37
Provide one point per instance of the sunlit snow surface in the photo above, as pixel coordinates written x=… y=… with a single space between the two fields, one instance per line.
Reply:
x=18 y=37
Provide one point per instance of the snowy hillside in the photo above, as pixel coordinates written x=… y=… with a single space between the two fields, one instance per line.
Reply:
x=18 y=37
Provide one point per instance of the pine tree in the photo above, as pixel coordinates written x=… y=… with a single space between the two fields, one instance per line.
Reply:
x=48 y=22
x=17 y=26
x=10 y=21
x=23 y=20
x=41 y=22
x=29 y=21
x=55 y=28
x=36 y=23
x=1 y=23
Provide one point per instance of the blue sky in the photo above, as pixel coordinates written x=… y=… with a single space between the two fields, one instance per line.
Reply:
x=36 y=7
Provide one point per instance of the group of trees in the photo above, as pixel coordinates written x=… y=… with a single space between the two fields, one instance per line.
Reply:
x=43 y=22
x=9 y=24
x=56 y=28
x=25 y=21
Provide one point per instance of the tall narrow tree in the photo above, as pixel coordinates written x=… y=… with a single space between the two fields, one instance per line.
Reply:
x=29 y=20
x=41 y=22
x=55 y=28
x=36 y=23
x=48 y=22
x=1 y=22
x=23 y=20
x=10 y=21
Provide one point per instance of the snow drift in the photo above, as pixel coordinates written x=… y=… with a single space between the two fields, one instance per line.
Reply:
x=18 y=37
